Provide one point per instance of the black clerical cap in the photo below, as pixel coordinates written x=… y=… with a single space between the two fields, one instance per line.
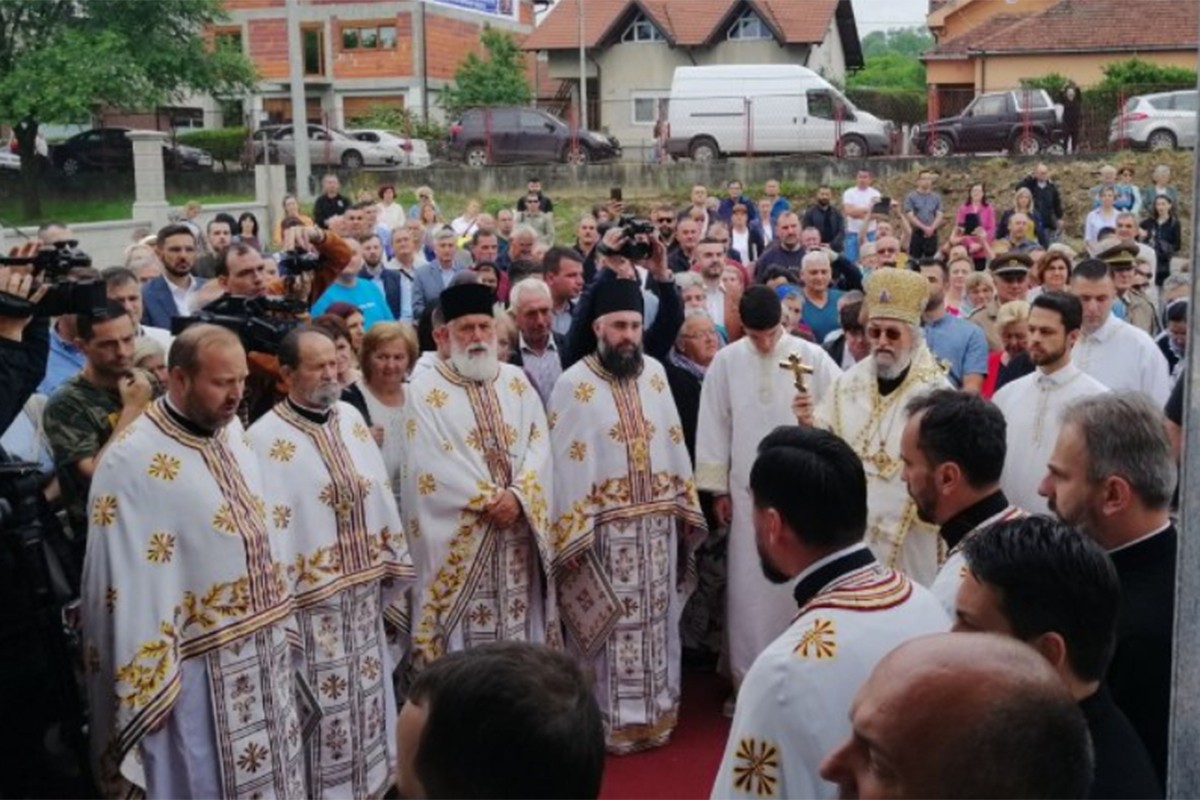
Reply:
x=467 y=298
x=760 y=308
x=619 y=294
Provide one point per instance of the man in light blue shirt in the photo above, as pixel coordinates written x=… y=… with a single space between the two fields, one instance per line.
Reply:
x=65 y=358
x=959 y=345
x=362 y=293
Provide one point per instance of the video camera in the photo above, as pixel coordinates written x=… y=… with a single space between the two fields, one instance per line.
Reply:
x=260 y=322
x=298 y=261
x=52 y=265
x=631 y=227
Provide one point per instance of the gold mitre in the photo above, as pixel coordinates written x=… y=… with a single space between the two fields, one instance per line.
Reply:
x=897 y=294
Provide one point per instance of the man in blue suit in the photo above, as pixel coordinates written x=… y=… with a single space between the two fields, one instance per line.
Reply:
x=430 y=279
x=170 y=294
x=388 y=281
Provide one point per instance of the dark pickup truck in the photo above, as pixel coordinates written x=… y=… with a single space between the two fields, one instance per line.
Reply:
x=1024 y=122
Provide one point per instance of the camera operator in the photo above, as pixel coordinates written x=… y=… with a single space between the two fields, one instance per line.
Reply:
x=91 y=408
x=664 y=308
x=24 y=343
x=332 y=252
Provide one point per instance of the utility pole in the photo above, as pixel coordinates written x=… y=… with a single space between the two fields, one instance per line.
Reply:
x=583 y=93
x=421 y=62
x=299 y=109
x=1183 y=767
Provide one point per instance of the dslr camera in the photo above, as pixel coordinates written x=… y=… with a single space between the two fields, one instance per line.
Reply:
x=631 y=248
x=52 y=264
x=298 y=261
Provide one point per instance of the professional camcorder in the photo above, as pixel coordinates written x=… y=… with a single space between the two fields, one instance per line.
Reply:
x=260 y=322
x=298 y=261
x=632 y=247
x=52 y=264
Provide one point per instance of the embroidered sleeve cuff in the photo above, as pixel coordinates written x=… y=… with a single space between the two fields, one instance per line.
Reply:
x=712 y=478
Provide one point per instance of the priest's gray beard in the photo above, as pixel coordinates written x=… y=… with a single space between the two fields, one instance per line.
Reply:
x=324 y=397
x=891 y=365
x=624 y=361
x=475 y=362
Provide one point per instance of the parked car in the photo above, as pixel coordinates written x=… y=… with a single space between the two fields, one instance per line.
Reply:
x=9 y=160
x=109 y=149
x=509 y=134
x=327 y=147
x=413 y=152
x=766 y=109
x=1162 y=121
x=1023 y=122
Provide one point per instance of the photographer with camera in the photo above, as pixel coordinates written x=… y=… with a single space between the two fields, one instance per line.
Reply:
x=631 y=250
x=90 y=409
x=24 y=343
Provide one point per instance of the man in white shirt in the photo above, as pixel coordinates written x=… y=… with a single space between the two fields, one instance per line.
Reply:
x=1111 y=350
x=857 y=202
x=1032 y=405
x=708 y=258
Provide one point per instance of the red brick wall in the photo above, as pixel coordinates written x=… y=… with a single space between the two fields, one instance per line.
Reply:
x=447 y=42
x=268 y=46
x=241 y=5
x=374 y=63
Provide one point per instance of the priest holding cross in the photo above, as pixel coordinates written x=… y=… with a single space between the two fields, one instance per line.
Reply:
x=752 y=387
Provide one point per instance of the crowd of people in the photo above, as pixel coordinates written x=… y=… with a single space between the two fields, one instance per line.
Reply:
x=399 y=495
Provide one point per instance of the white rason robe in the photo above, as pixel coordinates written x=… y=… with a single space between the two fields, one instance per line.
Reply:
x=1120 y=356
x=625 y=491
x=744 y=397
x=794 y=706
x=950 y=576
x=1033 y=406
x=330 y=504
x=872 y=425
x=187 y=620
x=466 y=441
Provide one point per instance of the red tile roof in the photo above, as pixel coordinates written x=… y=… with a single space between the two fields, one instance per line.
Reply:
x=1118 y=26
x=682 y=22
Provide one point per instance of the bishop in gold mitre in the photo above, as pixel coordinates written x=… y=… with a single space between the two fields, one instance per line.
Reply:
x=866 y=407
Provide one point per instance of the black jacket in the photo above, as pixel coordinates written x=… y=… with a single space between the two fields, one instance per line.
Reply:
x=1123 y=768
x=685 y=388
x=1139 y=675
x=830 y=222
x=657 y=340
x=560 y=345
x=22 y=367
x=326 y=207
x=1047 y=202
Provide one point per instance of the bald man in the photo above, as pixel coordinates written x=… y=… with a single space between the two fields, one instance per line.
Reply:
x=963 y=715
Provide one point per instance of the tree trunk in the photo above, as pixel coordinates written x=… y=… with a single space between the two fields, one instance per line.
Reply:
x=31 y=167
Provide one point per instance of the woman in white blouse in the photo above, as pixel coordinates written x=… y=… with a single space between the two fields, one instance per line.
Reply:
x=389 y=350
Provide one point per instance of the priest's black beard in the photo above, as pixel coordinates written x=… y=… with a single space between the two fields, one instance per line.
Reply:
x=622 y=362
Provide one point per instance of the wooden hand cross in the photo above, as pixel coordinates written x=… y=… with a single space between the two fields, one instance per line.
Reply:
x=799 y=369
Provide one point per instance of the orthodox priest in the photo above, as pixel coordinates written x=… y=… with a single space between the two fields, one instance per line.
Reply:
x=626 y=492
x=475 y=489
x=330 y=505
x=747 y=393
x=185 y=601
x=866 y=408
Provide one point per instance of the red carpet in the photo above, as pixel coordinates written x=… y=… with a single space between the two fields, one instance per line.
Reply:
x=684 y=768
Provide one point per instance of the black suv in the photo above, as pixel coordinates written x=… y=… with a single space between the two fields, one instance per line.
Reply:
x=110 y=150
x=1024 y=122
x=516 y=134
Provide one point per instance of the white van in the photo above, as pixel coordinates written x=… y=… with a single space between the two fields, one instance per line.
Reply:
x=766 y=109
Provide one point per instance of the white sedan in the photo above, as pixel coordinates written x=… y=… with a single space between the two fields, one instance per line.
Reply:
x=411 y=152
x=9 y=159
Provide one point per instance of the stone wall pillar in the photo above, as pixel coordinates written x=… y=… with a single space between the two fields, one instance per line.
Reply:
x=149 y=176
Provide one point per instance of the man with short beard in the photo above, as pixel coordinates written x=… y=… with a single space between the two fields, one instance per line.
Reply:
x=185 y=577
x=627 y=498
x=219 y=237
x=746 y=395
x=388 y=281
x=1033 y=404
x=866 y=408
x=173 y=293
x=330 y=503
x=687 y=234
x=477 y=491
x=786 y=251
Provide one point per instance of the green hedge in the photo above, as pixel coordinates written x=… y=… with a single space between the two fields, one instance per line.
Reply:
x=901 y=106
x=225 y=144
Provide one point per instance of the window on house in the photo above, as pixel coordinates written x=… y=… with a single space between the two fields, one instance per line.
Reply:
x=648 y=108
x=314 y=51
x=369 y=37
x=642 y=30
x=749 y=26
x=229 y=40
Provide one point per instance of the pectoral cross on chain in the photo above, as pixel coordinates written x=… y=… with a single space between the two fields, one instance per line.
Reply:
x=799 y=369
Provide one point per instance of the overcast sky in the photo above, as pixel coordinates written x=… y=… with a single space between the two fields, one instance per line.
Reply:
x=874 y=15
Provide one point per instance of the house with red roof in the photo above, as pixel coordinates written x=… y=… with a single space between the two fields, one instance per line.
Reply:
x=632 y=47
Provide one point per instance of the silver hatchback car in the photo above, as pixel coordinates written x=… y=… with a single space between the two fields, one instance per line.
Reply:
x=1161 y=121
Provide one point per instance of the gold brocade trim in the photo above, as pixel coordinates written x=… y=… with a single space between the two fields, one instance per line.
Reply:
x=865 y=589
x=712 y=478
x=632 y=738
x=613 y=499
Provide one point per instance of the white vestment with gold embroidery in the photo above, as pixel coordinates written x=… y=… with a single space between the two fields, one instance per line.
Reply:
x=872 y=425
x=745 y=396
x=626 y=503
x=330 y=505
x=793 y=708
x=187 y=620
x=465 y=442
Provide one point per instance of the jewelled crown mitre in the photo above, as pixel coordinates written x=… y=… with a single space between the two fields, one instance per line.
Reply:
x=897 y=294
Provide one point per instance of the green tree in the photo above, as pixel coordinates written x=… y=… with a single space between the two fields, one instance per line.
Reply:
x=911 y=42
x=496 y=79
x=61 y=60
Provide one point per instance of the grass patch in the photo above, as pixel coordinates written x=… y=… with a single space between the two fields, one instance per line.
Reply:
x=12 y=210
